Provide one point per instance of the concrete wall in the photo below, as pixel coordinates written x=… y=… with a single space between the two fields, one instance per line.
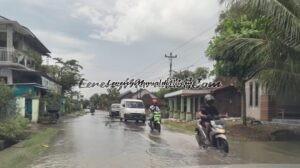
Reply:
x=35 y=110
x=20 y=101
x=188 y=109
x=253 y=111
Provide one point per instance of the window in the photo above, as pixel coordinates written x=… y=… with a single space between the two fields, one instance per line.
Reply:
x=3 y=38
x=251 y=94
x=256 y=93
x=133 y=104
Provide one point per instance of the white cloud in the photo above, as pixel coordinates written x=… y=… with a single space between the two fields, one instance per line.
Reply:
x=59 y=39
x=66 y=47
x=133 y=20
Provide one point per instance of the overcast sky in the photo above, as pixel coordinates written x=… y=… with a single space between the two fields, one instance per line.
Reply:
x=116 y=39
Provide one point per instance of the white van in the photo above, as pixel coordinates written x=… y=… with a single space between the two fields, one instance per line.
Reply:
x=132 y=109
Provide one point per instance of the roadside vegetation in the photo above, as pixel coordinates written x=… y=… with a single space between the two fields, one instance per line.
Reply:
x=259 y=38
x=235 y=130
x=14 y=129
x=103 y=101
x=24 y=153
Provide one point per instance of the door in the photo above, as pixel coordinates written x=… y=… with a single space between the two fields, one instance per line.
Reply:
x=28 y=109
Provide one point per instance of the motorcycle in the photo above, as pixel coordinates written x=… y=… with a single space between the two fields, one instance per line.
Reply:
x=92 y=110
x=156 y=122
x=217 y=137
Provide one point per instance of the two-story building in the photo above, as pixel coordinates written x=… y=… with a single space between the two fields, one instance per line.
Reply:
x=21 y=54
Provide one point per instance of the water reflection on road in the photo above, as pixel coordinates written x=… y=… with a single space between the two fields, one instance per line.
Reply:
x=97 y=141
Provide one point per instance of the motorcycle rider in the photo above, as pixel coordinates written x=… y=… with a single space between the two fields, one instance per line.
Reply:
x=207 y=113
x=153 y=109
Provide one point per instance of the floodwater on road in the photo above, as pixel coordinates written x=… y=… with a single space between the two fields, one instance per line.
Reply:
x=98 y=141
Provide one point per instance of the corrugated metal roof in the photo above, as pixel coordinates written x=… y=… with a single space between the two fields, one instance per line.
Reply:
x=25 y=31
x=187 y=92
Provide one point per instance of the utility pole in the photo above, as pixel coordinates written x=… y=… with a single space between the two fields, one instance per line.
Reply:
x=171 y=57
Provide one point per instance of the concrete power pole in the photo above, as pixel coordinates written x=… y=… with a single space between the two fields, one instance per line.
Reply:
x=171 y=57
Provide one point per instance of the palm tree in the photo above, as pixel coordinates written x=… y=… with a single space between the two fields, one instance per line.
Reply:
x=278 y=50
x=274 y=56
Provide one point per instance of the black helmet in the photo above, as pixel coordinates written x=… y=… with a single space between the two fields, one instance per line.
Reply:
x=209 y=99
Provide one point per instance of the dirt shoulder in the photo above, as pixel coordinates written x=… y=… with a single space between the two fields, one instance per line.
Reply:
x=235 y=130
x=23 y=153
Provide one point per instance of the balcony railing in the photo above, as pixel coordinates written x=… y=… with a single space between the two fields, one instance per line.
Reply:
x=16 y=57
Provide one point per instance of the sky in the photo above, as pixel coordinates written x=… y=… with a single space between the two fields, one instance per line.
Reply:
x=118 y=39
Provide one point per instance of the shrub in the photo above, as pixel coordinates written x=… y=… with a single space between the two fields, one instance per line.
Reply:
x=7 y=102
x=14 y=128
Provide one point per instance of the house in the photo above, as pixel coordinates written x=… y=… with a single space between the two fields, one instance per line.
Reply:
x=263 y=106
x=183 y=104
x=126 y=95
x=148 y=97
x=20 y=50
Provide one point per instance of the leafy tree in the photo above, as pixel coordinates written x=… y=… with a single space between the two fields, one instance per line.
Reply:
x=67 y=73
x=7 y=102
x=259 y=38
x=95 y=100
x=200 y=72
x=113 y=95
x=183 y=74
x=104 y=101
x=85 y=103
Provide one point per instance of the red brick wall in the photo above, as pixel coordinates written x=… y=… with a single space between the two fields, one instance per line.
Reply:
x=267 y=108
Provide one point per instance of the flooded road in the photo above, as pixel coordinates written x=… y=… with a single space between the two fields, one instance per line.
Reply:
x=97 y=141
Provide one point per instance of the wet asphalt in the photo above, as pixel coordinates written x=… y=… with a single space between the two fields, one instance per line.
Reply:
x=96 y=141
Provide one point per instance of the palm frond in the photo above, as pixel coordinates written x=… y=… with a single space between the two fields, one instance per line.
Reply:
x=284 y=23
x=280 y=82
x=246 y=50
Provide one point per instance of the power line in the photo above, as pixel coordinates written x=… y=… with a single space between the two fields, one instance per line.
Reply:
x=175 y=49
x=192 y=39
x=150 y=65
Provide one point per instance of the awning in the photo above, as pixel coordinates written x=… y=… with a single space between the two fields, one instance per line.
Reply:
x=188 y=93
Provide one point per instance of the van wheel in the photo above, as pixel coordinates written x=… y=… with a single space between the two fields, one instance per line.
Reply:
x=125 y=120
x=121 y=119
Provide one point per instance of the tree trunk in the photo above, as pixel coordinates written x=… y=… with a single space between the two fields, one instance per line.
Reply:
x=243 y=104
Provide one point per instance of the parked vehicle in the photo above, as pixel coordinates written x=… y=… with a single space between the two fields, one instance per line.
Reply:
x=53 y=115
x=115 y=110
x=217 y=137
x=132 y=109
x=155 y=121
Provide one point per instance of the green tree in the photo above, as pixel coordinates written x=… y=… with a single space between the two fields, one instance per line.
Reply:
x=95 y=100
x=67 y=73
x=261 y=38
x=113 y=95
x=200 y=72
x=7 y=102
x=85 y=103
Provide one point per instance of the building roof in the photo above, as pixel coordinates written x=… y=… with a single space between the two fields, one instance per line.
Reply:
x=189 y=92
x=27 y=33
x=125 y=93
x=140 y=93
x=36 y=73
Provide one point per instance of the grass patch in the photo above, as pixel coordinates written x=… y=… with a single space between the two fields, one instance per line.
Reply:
x=235 y=130
x=184 y=127
x=24 y=153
